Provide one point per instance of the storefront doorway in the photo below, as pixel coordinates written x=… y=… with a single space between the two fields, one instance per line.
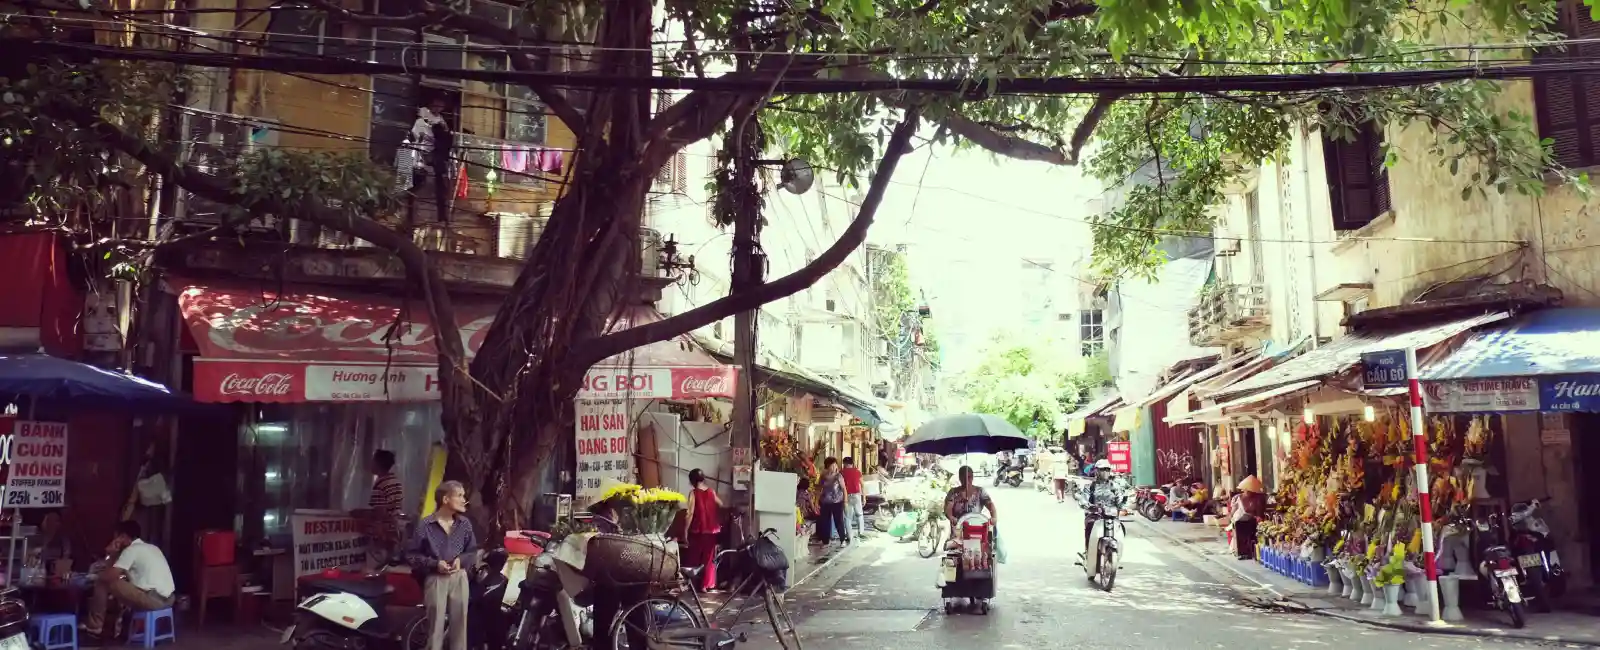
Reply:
x=1586 y=462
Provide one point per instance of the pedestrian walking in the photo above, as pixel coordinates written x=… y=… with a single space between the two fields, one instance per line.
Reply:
x=833 y=499
x=705 y=524
x=1060 y=468
x=855 y=500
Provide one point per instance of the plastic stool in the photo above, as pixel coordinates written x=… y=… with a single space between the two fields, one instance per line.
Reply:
x=54 y=631
x=144 y=629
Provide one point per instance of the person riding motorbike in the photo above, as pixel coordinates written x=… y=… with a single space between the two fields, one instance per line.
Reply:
x=1102 y=491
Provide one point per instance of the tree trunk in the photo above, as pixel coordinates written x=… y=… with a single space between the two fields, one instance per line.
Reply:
x=519 y=402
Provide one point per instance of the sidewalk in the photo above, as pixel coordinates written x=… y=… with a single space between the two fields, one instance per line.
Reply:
x=1205 y=541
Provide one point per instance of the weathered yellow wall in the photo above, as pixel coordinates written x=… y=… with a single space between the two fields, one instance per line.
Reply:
x=341 y=104
x=1557 y=228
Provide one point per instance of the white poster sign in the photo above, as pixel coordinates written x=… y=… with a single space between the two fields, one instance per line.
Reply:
x=603 y=446
x=1481 y=395
x=327 y=539
x=38 y=472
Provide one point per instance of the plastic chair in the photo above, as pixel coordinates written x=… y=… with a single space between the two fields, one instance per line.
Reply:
x=54 y=631
x=145 y=628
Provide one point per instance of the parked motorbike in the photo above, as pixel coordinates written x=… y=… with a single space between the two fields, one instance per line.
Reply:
x=1009 y=475
x=1150 y=502
x=1536 y=554
x=13 y=621
x=1500 y=568
x=341 y=614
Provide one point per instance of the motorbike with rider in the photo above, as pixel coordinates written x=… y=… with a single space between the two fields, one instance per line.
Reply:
x=1104 y=490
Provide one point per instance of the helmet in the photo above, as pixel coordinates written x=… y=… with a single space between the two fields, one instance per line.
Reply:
x=1102 y=464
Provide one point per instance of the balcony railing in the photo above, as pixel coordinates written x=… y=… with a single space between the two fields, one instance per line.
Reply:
x=1227 y=312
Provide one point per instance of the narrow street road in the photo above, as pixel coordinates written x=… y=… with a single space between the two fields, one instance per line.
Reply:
x=881 y=597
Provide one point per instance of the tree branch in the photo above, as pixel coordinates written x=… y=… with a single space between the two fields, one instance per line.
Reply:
x=854 y=235
x=452 y=351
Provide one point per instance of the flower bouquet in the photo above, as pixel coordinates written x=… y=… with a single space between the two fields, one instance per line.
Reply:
x=655 y=509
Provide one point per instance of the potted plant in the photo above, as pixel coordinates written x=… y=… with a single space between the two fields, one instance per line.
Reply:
x=1390 y=577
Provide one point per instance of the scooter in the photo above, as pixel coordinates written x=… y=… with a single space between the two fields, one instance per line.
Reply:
x=1151 y=502
x=1499 y=567
x=1536 y=554
x=352 y=615
x=1010 y=475
x=1104 y=555
x=13 y=621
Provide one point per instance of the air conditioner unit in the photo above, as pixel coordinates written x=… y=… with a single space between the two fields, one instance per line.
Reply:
x=824 y=415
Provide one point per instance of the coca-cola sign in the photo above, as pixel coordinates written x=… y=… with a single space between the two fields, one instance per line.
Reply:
x=272 y=384
x=713 y=385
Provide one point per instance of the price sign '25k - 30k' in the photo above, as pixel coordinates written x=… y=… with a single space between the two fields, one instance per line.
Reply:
x=38 y=476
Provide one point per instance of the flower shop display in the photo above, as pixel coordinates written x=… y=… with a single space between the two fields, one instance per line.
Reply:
x=1390 y=578
x=640 y=554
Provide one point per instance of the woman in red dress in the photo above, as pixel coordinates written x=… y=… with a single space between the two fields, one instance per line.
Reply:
x=705 y=523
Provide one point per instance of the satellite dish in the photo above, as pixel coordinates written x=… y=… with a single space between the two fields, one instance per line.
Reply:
x=797 y=176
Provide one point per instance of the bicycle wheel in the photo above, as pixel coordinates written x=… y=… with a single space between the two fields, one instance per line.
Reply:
x=782 y=625
x=928 y=539
x=885 y=516
x=416 y=637
x=649 y=617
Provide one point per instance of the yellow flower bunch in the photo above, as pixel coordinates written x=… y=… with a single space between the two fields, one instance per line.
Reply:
x=627 y=490
x=657 y=495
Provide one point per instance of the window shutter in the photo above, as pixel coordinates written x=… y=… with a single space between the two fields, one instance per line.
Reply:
x=665 y=176
x=1568 y=107
x=1358 y=183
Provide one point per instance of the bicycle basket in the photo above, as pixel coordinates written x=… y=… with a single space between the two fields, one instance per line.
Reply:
x=623 y=560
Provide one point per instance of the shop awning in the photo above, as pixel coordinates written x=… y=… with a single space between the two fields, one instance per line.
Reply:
x=1128 y=418
x=1546 y=360
x=306 y=346
x=1346 y=352
x=1219 y=412
x=1177 y=385
x=1546 y=342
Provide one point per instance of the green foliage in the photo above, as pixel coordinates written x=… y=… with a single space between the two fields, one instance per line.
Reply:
x=1029 y=382
x=891 y=291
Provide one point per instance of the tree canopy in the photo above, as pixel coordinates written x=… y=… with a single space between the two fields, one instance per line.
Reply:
x=81 y=118
x=1030 y=382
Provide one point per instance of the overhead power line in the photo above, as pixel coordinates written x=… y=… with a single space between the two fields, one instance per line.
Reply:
x=764 y=83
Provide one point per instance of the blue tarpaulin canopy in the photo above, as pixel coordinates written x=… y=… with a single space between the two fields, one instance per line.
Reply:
x=46 y=378
x=1546 y=342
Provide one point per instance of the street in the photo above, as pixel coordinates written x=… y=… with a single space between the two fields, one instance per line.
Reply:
x=882 y=596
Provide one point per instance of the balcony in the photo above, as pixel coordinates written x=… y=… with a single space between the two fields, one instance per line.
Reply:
x=483 y=245
x=1227 y=313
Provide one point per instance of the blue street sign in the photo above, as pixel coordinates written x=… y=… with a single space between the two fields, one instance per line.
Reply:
x=1384 y=369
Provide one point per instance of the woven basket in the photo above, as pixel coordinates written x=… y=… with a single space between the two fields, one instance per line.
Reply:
x=620 y=560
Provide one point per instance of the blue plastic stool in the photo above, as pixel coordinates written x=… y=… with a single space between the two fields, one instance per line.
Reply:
x=145 y=628
x=54 y=631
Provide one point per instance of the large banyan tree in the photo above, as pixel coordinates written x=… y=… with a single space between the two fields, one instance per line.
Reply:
x=828 y=81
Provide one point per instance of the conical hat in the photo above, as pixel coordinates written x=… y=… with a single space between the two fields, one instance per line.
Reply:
x=1251 y=484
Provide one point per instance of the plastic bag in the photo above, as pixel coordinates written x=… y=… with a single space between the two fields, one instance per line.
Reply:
x=904 y=524
x=999 y=548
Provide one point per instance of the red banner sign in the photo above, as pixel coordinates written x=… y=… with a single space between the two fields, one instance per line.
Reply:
x=1120 y=454
x=313 y=348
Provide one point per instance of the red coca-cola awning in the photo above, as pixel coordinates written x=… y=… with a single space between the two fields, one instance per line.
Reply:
x=309 y=346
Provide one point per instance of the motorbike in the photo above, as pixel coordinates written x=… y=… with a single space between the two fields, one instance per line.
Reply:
x=341 y=614
x=1536 y=554
x=1501 y=570
x=13 y=621
x=545 y=616
x=1010 y=475
x=1101 y=560
x=1150 y=502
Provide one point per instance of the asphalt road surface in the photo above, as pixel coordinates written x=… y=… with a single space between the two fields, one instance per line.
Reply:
x=882 y=597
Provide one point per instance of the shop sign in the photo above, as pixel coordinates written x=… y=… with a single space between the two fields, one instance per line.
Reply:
x=37 y=476
x=290 y=382
x=1384 y=369
x=326 y=539
x=1482 y=395
x=1570 y=393
x=603 y=446
x=1120 y=454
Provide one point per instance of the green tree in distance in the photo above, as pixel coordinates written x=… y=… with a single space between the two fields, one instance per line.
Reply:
x=1030 y=382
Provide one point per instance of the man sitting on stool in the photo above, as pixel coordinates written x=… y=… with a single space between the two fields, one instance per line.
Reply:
x=138 y=579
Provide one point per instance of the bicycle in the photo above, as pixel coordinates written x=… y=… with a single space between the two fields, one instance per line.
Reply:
x=930 y=531
x=756 y=582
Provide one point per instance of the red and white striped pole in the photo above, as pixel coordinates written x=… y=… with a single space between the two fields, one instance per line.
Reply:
x=1419 y=436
